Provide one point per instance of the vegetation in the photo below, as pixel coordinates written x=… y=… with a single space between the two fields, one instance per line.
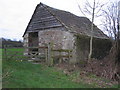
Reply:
x=111 y=22
x=23 y=74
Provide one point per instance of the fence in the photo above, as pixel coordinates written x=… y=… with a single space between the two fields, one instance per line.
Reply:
x=13 y=54
x=51 y=55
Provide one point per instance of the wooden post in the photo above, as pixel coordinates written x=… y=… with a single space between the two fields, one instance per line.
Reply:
x=52 y=55
x=69 y=54
x=46 y=55
x=5 y=52
x=50 y=59
x=60 y=58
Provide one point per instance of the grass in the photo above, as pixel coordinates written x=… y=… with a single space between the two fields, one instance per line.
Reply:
x=13 y=53
x=13 y=50
x=27 y=75
x=24 y=74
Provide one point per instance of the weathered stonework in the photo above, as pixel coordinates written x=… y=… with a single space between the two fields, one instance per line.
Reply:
x=60 y=39
x=25 y=43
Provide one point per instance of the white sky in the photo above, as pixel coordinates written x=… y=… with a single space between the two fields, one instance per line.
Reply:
x=15 y=14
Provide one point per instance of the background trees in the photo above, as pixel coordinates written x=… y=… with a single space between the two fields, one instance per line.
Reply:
x=10 y=43
x=112 y=25
x=111 y=20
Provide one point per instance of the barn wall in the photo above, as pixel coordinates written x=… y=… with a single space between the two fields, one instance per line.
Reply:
x=60 y=39
x=25 y=43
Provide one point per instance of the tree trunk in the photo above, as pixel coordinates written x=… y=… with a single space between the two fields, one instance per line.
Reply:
x=91 y=38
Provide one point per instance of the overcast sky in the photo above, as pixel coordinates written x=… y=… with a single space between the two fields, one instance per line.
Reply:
x=15 y=14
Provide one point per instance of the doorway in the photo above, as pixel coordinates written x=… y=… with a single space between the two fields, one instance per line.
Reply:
x=33 y=39
x=33 y=43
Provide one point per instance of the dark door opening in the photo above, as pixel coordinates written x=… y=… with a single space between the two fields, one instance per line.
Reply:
x=33 y=43
x=33 y=39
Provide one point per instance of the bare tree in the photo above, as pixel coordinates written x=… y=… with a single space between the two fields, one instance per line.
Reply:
x=94 y=11
x=112 y=24
x=111 y=21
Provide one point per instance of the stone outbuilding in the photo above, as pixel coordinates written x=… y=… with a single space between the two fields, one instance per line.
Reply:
x=64 y=32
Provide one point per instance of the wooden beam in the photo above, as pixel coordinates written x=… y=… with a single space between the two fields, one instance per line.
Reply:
x=62 y=50
x=60 y=56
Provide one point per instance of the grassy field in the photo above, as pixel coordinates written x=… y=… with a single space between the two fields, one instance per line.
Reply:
x=23 y=74
x=13 y=53
x=27 y=75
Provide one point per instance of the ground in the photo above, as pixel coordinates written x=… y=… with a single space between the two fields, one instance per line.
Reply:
x=24 y=74
x=18 y=73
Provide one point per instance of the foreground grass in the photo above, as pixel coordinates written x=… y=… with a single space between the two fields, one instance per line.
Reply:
x=27 y=75
x=24 y=74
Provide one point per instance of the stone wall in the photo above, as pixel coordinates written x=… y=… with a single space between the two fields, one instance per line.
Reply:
x=59 y=38
x=25 y=43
